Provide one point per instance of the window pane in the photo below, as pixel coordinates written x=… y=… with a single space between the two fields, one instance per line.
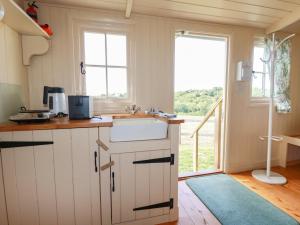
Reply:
x=258 y=65
x=117 y=82
x=94 y=44
x=116 y=50
x=95 y=81
x=257 y=84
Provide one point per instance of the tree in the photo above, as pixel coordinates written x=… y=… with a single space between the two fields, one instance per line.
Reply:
x=196 y=102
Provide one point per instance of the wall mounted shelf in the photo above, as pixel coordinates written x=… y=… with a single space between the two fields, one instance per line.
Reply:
x=16 y=18
x=35 y=41
x=33 y=45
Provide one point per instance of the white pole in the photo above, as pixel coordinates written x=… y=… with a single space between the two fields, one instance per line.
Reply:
x=270 y=122
x=267 y=175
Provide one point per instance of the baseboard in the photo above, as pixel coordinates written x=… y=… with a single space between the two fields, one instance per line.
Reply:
x=293 y=162
x=185 y=176
x=236 y=168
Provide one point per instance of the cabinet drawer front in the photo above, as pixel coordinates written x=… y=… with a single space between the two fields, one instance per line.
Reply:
x=138 y=185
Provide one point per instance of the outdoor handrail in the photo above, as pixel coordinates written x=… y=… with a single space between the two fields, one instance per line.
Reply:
x=208 y=115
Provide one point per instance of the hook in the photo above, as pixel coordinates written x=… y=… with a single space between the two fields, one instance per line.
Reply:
x=82 y=69
x=285 y=39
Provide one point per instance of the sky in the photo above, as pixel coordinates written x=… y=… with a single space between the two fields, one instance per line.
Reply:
x=200 y=63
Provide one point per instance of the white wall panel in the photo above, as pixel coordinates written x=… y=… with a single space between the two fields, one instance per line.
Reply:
x=154 y=45
x=12 y=70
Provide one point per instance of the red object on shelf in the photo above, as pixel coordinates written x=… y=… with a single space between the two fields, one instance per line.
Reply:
x=31 y=11
x=47 y=28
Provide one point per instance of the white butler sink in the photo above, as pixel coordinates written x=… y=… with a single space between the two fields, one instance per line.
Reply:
x=138 y=129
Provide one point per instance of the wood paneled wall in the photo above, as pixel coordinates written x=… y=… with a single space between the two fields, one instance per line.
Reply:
x=153 y=71
x=13 y=76
x=12 y=70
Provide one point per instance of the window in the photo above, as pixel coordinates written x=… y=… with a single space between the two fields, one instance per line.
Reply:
x=260 y=78
x=105 y=62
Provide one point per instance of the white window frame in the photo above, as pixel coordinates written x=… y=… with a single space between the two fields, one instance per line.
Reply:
x=259 y=42
x=105 y=104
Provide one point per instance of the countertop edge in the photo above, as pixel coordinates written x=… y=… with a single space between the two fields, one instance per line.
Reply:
x=65 y=123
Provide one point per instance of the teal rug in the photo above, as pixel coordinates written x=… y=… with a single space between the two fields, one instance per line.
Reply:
x=234 y=204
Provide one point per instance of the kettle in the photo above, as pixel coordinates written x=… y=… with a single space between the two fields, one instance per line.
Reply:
x=55 y=99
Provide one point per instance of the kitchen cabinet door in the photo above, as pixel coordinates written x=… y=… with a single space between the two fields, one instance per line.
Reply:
x=55 y=183
x=140 y=185
x=3 y=211
x=29 y=180
x=62 y=150
x=86 y=176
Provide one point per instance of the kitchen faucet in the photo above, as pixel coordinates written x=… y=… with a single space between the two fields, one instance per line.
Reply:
x=132 y=109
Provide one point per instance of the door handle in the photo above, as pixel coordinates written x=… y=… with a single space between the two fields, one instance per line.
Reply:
x=95 y=160
x=113 y=181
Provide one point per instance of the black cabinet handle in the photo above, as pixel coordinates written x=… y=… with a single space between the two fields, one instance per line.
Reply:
x=157 y=206
x=95 y=160
x=16 y=144
x=157 y=160
x=113 y=181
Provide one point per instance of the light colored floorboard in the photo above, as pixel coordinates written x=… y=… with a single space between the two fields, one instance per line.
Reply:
x=286 y=197
x=191 y=210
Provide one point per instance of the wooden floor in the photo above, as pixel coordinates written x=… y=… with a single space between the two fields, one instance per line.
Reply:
x=287 y=197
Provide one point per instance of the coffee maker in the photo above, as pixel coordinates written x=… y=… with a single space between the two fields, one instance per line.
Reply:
x=54 y=98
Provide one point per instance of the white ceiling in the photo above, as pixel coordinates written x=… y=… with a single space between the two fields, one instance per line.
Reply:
x=257 y=13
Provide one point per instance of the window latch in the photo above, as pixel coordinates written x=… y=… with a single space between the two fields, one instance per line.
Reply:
x=82 y=69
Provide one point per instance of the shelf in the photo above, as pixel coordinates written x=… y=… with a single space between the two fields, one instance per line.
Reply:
x=16 y=18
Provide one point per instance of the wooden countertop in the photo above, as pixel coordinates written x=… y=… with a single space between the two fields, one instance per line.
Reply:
x=59 y=123
x=65 y=123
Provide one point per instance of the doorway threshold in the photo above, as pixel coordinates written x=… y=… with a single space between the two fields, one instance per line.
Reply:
x=184 y=176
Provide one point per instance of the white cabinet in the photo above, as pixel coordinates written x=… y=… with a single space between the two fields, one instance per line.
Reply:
x=140 y=185
x=55 y=179
x=55 y=183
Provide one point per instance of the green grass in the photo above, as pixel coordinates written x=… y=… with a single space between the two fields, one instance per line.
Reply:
x=206 y=158
x=206 y=144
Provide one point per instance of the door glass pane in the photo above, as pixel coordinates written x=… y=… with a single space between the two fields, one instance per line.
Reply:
x=94 y=46
x=117 y=82
x=116 y=50
x=95 y=81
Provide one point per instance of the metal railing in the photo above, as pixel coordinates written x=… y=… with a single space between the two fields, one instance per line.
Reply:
x=216 y=110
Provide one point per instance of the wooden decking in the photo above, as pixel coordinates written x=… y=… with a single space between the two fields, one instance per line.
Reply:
x=287 y=197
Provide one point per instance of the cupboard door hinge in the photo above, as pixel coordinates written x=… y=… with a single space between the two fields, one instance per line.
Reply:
x=16 y=144
x=158 y=205
x=170 y=160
